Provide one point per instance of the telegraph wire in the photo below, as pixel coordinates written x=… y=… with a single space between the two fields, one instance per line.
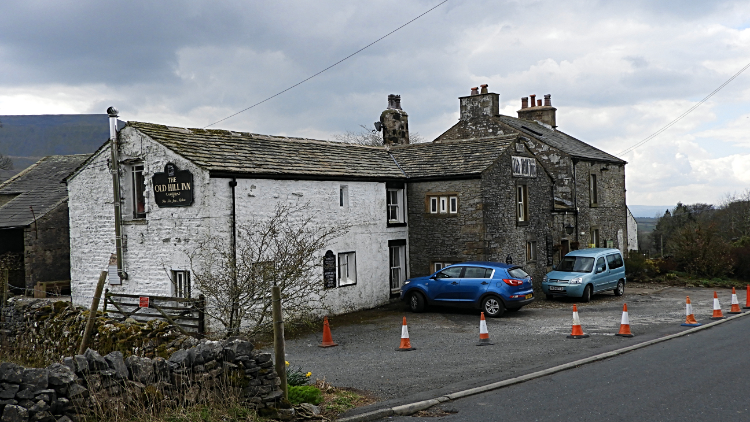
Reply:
x=673 y=122
x=329 y=67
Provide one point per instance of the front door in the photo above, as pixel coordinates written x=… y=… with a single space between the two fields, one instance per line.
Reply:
x=601 y=275
x=446 y=287
x=474 y=283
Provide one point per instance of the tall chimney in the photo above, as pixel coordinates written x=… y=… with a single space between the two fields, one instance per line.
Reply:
x=544 y=114
x=479 y=105
x=394 y=122
x=524 y=102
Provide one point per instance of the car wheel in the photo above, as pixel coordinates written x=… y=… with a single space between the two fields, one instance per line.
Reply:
x=416 y=302
x=586 y=297
x=492 y=306
x=620 y=290
x=549 y=296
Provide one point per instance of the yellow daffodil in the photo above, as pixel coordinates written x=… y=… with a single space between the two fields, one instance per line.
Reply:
x=287 y=362
x=308 y=374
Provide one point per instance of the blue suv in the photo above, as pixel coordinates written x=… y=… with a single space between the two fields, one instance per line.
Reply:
x=489 y=286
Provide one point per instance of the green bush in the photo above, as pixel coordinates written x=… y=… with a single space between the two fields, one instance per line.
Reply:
x=305 y=394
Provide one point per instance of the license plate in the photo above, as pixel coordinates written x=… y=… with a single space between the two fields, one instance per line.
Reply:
x=529 y=296
x=556 y=288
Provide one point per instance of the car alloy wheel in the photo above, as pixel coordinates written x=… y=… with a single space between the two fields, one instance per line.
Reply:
x=492 y=306
x=587 y=294
x=416 y=302
x=620 y=290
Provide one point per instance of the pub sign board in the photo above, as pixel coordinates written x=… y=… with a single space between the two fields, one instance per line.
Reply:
x=173 y=188
x=329 y=270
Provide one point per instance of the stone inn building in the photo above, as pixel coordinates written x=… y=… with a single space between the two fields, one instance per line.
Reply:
x=492 y=187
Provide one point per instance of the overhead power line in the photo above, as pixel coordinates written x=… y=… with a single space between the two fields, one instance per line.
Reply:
x=672 y=123
x=331 y=66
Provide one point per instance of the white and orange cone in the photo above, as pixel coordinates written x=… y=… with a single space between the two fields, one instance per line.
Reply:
x=577 y=330
x=405 y=342
x=484 y=335
x=747 y=298
x=717 y=308
x=735 y=309
x=327 y=339
x=689 y=317
x=625 y=323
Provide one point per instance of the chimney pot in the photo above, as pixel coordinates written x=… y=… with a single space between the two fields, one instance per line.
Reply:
x=533 y=100
x=394 y=102
x=475 y=91
x=548 y=100
x=484 y=88
x=524 y=102
x=538 y=103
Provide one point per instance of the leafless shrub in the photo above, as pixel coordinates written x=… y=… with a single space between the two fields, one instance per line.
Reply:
x=285 y=249
x=367 y=136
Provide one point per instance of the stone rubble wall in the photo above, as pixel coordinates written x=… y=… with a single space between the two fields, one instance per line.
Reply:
x=63 y=392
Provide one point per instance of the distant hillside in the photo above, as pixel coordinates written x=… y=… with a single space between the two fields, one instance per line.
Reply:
x=646 y=224
x=649 y=210
x=26 y=139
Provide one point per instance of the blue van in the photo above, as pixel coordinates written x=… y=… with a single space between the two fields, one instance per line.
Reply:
x=584 y=272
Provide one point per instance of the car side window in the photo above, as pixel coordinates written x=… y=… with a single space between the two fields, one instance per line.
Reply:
x=600 y=265
x=451 y=272
x=517 y=273
x=614 y=261
x=477 y=272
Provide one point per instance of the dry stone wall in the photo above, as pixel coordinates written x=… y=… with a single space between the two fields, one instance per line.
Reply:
x=66 y=391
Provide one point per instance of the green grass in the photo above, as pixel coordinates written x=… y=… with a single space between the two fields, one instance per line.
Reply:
x=305 y=394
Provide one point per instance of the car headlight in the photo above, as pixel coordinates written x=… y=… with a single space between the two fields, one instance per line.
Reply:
x=544 y=279
x=407 y=282
x=577 y=280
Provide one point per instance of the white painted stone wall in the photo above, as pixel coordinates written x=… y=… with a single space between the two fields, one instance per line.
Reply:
x=158 y=244
x=632 y=232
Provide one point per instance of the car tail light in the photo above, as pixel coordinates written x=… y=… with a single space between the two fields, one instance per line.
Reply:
x=513 y=281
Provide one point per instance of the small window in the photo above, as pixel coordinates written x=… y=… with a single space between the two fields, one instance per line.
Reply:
x=181 y=280
x=594 y=191
x=600 y=265
x=614 y=261
x=518 y=273
x=344 y=196
x=398 y=270
x=452 y=272
x=522 y=202
x=443 y=204
x=433 y=205
x=437 y=266
x=347 y=269
x=395 y=205
x=530 y=251
x=139 y=199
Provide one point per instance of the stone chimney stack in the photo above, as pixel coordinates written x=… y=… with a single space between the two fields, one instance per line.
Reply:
x=395 y=123
x=478 y=104
x=534 y=110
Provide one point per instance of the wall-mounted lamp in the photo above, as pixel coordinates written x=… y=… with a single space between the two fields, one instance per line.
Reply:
x=569 y=229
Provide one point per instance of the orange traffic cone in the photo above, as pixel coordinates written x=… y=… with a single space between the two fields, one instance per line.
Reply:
x=735 y=309
x=717 y=308
x=484 y=335
x=577 y=330
x=689 y=319
x=747 y=298
x=625 y=323
x=327 y=340
x=405 y=343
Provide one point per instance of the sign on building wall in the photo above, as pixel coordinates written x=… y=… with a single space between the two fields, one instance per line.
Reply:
x=173 y=188
x=329 y=270
x=524 y=166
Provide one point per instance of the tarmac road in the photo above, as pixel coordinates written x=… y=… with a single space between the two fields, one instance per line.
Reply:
x=698 y=377
x=448 y=360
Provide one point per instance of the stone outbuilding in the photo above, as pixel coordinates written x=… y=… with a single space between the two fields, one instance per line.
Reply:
x=34 y=233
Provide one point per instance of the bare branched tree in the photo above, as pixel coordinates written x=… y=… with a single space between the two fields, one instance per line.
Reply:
x=367 y=136
x=286 y=249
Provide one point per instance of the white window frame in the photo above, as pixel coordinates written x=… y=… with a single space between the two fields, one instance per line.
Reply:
x=344 y=197
x=397 y=266
x=182 y=283
x=347 y=269
x=437 y=266
x=135 y=170
x=522 y=203
x=453 y=204
x=395 y=205
x=443 y=204
x=433 y=205
x=595 y=238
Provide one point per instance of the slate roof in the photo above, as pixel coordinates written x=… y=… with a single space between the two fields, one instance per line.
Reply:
x=464 y=157
x=242 y=153
x=39 y=186
x=559 y=140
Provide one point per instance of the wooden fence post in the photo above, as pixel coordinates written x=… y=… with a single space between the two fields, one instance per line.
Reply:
x=278 y=339
x=201 y=314
x=92 y=313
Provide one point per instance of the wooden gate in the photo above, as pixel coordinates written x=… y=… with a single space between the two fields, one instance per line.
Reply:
x=188 y=315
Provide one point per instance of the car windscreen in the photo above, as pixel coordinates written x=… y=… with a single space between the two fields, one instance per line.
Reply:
x=517 y=273
x=576 y=264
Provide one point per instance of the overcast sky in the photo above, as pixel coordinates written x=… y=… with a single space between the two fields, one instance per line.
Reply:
x=617 y=71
